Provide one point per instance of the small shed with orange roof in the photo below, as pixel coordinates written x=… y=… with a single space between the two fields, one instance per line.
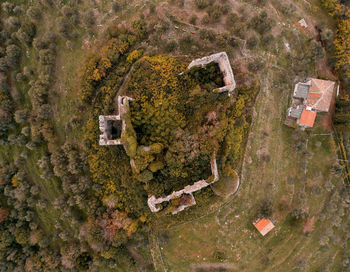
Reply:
x=263 y=225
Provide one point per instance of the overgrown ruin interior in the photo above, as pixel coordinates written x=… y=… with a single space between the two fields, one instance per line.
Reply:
x=153 y=202
x=110 y=126
x=225 y=67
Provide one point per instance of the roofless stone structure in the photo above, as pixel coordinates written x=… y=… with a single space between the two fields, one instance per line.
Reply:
x=225 y=68
x=188 y=190
x=112 y=126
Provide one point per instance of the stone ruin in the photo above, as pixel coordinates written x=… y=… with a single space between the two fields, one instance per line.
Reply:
x=225 y=68
x=187 y=191
x=112 y=126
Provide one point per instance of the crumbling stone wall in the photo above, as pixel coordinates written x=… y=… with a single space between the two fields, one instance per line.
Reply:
x=189 y=189
x=105 y=127
x=128 y=135
x=225 y=67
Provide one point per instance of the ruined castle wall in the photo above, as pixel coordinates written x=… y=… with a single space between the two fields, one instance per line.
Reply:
x=224 y=65
x=123 y=107
x=189 y=189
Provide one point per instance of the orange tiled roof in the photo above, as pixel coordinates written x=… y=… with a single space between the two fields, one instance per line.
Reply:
x=307 y=118
x=320 y=94
x=264 y=225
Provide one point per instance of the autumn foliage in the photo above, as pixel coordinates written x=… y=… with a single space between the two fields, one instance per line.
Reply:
x=341 y=12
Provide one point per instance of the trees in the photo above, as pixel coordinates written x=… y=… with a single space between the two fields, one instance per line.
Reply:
x=327 y=35
x=252 y=42
x=232 y=19
x=7 y=7
x=207 y=34
x=316 y=50
x=297 y=215
x=22 y=236
x=140 y=28
x=44 y=112
x=193 y=19
x=261 y=23
x=338 y=9
x=170 y=46
x=34 y=13
x=47 y=56
x=13 y=23
x=215 y=12
x=89 y=20
x=64 y=27
x=3 y=65
x=265 y=208
x=13 y=54
x=205 y=19
x=21 y=116
x=6 y=239
x=115 y=6
x=255 y=65
x=49 y=3
x=4 y=214
x=342 y=44
x=202 y=4
x=26 y=33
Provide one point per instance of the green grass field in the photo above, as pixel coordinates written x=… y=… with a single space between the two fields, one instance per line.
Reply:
x=291 y=179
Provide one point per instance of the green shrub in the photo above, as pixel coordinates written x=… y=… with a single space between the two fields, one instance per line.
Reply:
x=145 y=176
x=262 y=23
x=155 y=166
x=202 y=4
x=170 y=46
x=140 y=28
x=232 y=19
x=193 y=19
x=34 y=13
x=252 y=42
x=115 y=6
x=205 y=19
x=255 y=65
x=207 y=34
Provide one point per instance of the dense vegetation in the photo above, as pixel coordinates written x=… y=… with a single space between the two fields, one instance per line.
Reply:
x=179 y=116
x=340 y=49
x=52 y=215
x=182 y=114
x=340 y=59
x=46 y=165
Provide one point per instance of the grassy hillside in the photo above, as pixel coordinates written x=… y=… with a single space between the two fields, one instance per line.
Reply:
x=69 y=205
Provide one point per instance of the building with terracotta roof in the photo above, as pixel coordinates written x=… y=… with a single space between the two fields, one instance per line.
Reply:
x=307 y=118
x=320 y=94
x=263 y=225
x=309 y=98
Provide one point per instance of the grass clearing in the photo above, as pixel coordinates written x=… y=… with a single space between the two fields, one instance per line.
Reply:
x=228 y=234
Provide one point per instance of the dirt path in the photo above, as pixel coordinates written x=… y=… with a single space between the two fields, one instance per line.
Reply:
x=155 y=252
x=122 y=88
x=213 y=266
